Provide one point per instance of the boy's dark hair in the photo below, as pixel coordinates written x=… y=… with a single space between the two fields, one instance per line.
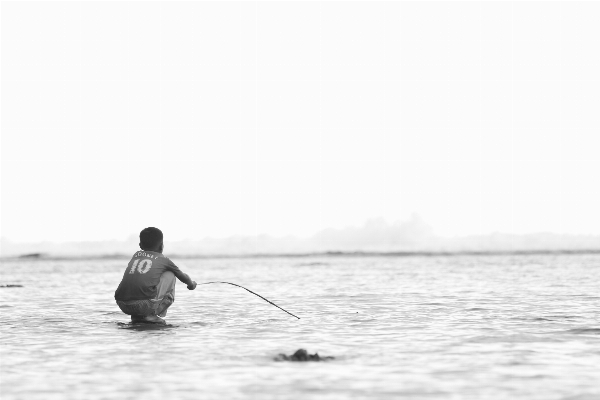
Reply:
x=150 y=238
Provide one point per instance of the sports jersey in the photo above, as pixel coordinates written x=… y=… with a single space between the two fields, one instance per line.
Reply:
x=142 y=275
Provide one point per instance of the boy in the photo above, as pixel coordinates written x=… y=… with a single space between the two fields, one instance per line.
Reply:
x=148 y=285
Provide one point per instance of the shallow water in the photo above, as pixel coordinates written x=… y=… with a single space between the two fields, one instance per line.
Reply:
x=459 y=327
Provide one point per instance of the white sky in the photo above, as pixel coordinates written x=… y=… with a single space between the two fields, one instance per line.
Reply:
x=218 y=119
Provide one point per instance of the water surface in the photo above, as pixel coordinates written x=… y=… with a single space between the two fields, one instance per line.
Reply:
x=447 y=327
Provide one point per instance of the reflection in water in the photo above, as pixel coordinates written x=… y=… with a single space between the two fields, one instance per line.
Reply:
x=416 y=327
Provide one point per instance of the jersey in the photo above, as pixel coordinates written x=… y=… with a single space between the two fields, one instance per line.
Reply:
x=143 y=274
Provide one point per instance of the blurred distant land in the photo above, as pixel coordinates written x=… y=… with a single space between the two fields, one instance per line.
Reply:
x=375 y=236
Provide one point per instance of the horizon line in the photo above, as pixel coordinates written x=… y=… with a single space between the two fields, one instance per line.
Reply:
x=46 y=257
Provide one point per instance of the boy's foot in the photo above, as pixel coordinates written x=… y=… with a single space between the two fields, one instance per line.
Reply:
x=137 y=318
x=152 y=319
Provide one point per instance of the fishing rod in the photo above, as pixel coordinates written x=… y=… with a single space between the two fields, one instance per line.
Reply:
x=256 y=294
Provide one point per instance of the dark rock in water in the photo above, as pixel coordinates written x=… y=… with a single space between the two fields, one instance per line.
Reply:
x=302 y=355
x=11 y=286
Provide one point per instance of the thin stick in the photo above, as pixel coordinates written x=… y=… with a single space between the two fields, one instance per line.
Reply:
x=229 y=283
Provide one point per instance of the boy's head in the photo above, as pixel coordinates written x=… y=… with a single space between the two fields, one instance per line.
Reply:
x=151 y=239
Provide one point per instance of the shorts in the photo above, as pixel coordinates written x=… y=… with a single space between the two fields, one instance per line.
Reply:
x=158 y=306
x=139 y=307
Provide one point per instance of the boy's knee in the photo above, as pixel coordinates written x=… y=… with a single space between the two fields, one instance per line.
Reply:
x=167 y=301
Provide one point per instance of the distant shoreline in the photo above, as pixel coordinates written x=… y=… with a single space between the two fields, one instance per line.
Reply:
x=49 y=257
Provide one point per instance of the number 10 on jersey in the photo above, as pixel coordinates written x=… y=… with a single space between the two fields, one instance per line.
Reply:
x=143 y=265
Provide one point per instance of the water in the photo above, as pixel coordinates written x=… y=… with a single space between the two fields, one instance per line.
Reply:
x=462 y=327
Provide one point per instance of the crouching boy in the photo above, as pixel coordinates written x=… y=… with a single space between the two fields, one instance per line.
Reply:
x=148 y=285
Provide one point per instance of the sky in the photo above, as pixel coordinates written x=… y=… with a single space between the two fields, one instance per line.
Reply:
x=217 y=119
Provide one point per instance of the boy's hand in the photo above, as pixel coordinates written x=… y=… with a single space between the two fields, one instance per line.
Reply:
x=192 y=286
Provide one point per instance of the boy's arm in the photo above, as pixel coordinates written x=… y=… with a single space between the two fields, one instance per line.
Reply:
x=191 y=285
x=183 y=277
